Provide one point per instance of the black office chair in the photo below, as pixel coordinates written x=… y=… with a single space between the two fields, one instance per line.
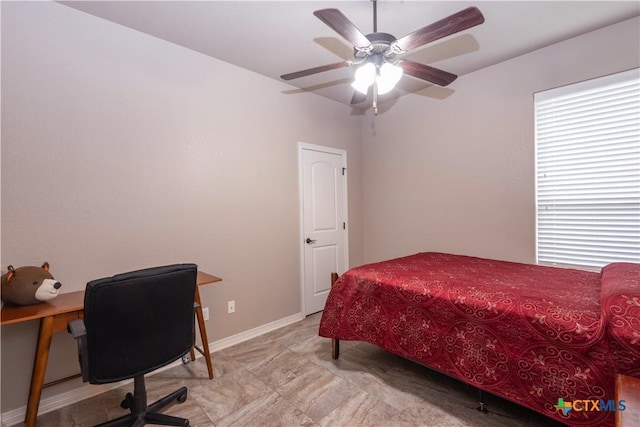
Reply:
x=135 y=323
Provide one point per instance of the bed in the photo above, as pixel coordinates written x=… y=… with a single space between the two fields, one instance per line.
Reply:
x=530 y=334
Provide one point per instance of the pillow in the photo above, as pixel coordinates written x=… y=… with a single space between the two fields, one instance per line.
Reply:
x=620 y=300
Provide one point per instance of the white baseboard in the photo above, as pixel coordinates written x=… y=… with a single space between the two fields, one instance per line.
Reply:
x=253 y=333
x=16 y=416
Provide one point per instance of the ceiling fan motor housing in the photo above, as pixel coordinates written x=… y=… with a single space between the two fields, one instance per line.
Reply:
x=380 y=46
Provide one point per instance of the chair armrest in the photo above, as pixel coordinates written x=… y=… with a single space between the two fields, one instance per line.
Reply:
x=78 y=331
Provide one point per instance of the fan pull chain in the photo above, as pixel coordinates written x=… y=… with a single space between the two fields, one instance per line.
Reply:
x=375 y=99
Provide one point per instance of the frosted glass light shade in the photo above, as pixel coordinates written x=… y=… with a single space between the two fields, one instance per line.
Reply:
x=389 y=76
x=364 y=77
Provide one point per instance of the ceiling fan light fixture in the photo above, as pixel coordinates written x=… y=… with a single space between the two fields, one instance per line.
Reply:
x=377 y=51
x=364 y=77
x=388 y=77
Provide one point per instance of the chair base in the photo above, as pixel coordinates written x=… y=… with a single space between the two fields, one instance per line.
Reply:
x=142 y=414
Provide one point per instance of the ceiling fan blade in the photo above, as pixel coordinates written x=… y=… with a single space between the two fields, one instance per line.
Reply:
x=341 y=25
x=425 y=72
x=467 y=18
x=315 y=70
x=358 y=97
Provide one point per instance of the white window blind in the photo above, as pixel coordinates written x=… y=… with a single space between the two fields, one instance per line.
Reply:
x=588 y=172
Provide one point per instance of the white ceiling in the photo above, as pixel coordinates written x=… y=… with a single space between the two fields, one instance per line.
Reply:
x=278 y=37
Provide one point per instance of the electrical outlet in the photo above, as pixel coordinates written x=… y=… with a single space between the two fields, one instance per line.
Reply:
x=205 y=313
x=231 y=307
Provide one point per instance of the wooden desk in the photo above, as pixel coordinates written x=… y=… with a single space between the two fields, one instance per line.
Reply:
x=203 y=279
x=54 y=316
x=628 y=389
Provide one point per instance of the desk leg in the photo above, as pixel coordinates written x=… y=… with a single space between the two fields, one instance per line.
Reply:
x=39 y=369
x=203 y=334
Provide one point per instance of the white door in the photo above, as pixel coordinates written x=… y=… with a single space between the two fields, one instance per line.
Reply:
x=323 y=209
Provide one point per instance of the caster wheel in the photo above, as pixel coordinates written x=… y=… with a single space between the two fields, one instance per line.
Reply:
x=186 y=359
x=126 y=402
x=182 y=398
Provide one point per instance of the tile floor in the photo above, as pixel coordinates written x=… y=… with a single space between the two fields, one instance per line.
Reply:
x=287 y=378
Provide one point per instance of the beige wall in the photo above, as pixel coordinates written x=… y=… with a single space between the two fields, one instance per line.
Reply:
x=122 y=151
x=457 y=174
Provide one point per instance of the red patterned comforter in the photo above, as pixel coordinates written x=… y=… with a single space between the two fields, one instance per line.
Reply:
x=528 y=333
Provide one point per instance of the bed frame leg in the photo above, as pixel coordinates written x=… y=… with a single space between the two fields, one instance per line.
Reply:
x=335 y=343
x=335 y=348
x=481 y=407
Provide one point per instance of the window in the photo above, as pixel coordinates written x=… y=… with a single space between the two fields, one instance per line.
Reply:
x=588 y=172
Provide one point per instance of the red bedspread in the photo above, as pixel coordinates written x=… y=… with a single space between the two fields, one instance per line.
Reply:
x=528 y=333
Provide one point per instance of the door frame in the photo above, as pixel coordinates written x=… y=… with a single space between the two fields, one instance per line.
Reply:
x=302 y=146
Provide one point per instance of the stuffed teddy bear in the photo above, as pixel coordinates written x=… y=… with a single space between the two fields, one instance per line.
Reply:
x=28 y=285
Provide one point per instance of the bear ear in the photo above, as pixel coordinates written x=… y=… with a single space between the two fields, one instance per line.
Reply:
x=10 y=272
x=45 y=266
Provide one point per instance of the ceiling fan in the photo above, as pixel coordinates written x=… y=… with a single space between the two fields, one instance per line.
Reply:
x=375 y=53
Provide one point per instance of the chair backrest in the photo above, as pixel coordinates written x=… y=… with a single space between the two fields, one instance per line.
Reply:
x=139 y=321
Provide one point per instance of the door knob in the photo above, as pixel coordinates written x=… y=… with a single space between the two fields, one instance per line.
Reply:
x=310 y=241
